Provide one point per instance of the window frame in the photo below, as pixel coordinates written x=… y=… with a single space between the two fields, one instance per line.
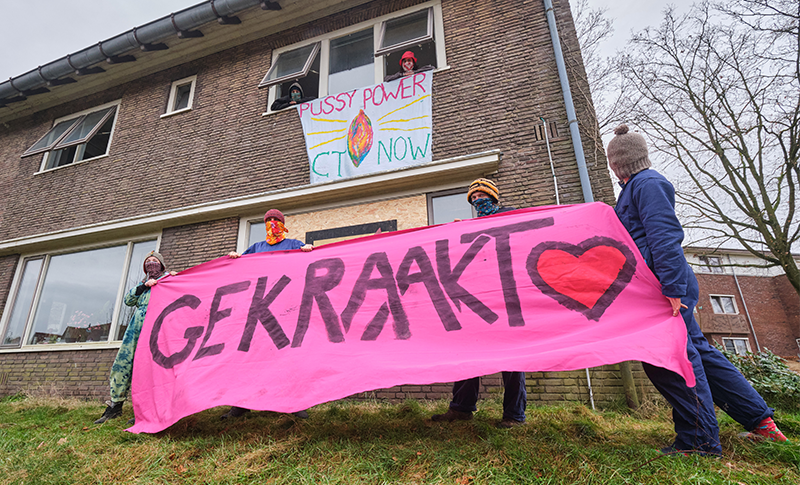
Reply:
x=444 y=193
x=78 y=117
x=46 y=256
x=733 y=339
x=173 y=92
x=377 y=24
x=733 y=300
x=711 y=266
x=381 y=51
x=267 y=83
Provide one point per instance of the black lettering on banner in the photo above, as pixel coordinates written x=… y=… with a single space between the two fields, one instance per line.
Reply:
x=216 y=315
x=449 y=277
x=504 y=264
x=427 y=276
x=191 y=334
x=260 y=312
x=385 y=282
x=316 y=288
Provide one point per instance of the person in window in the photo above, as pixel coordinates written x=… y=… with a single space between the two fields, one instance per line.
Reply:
x=408 y=66
x=646 y=207
x=294 y=98
x=484 y=196
x=275 y=241
x=122 y=369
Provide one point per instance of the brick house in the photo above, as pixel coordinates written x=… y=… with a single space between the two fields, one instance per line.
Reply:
x=161 y=138
x=745 y=309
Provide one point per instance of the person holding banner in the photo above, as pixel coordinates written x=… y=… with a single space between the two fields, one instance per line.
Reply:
x=484 y=196
x=122 y=368
x=646 y=207
x=408 y=65
x=276 y=241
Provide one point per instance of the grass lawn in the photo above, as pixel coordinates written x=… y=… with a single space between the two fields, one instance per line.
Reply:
x=46 y=440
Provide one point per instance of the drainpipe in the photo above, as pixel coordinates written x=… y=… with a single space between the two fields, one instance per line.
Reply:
x=586 y=185
x=744 y=303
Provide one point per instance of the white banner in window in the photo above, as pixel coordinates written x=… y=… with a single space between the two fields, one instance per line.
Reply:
x=371 y=129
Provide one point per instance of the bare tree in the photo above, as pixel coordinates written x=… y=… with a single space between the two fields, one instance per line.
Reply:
x=718 y=93
x=594 y=28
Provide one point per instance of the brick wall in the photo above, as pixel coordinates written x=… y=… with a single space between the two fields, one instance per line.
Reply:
x=79 y=373
x=502 y=79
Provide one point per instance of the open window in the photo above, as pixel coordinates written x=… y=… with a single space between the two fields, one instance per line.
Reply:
x=359 y=55
x=739 y=346
x=79 y=137
x=291 y=65
x=724 y=304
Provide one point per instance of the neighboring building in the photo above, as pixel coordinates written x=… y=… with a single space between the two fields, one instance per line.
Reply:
x=161 y=138
x=743 y=307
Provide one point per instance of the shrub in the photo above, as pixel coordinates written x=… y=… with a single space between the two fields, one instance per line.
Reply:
x=770 y=376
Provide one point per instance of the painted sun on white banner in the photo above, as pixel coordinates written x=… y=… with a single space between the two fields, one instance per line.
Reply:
x=371 y=129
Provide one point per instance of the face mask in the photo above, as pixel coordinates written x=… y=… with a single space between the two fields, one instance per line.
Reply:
x=153 y=269
x=295 y=95
x=275 y=232
x=485 y=207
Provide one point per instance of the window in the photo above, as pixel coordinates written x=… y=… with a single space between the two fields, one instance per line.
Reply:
x=739 y=346
x=74 y=297
x=798 y=344
x=449 y=205
x=346 y=59
x=79 y=137
x=724 y=304
x=181 y=95
x=713 y=264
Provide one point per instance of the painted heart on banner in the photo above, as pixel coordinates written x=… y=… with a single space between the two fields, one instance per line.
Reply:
x=585 y=277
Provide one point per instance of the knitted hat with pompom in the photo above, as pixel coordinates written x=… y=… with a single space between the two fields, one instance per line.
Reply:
x=627 y=153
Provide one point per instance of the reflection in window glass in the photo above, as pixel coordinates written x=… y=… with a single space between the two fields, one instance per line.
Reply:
x=447 y=208
x=22 y=303
x=739 y=346
x=351 y=62
x=723 y=304
x=290 y=63
x=406 y=28
x=182 y=96
x=134 y=277
x=258 y=232
x=78 y=297
x=85 y=127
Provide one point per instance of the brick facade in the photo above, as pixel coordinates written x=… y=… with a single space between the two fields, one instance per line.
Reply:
x=502 y=79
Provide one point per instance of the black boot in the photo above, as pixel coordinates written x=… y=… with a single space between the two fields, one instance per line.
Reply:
x=113 y=410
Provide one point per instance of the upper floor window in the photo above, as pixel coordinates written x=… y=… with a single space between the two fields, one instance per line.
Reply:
x=712 y=264
x=74 y=297
x=77 y=138
x=358 y=56
x=181 y=96
x=723 y=304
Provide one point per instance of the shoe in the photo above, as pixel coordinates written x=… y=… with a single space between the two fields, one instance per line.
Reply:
x=301 y=414
x=113 y=410
x=234 y=412
x=509 y=423
x=766 y=430
x=452 y=415
x=131 y=421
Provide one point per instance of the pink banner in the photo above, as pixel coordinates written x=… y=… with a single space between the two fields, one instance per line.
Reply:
x=541 y=289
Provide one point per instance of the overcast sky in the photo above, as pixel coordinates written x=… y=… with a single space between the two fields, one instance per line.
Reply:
x=35 y=32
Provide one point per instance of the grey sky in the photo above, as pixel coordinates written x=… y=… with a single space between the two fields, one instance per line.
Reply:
x=64 y=27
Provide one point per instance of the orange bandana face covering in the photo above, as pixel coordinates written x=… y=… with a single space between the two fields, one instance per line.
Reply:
x=275 y=232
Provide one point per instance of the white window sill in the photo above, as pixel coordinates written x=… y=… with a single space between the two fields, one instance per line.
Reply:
x=71 y=164
x=172 y=113
x=62 y=347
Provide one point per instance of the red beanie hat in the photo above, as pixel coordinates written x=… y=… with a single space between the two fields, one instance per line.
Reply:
x=276 y=214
